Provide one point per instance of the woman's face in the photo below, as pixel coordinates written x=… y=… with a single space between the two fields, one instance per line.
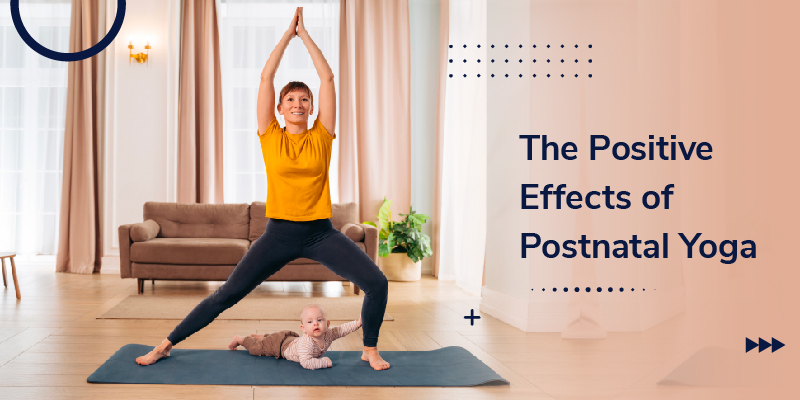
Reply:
x=296 y=107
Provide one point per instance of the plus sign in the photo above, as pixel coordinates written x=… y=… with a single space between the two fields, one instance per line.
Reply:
x=471 y=317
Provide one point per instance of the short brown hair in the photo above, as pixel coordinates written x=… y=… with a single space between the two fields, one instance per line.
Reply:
x=292 y=86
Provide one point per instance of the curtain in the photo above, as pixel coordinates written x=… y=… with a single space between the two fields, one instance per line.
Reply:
x=462 y=213
x=375 y=134
x=200 y=106
x=424 y=25
x=80 y=239
x=249 y=30
x=33 y=92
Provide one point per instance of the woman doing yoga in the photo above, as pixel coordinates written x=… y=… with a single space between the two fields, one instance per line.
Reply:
x=298 y=205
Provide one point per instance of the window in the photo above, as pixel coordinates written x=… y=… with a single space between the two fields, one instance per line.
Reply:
x=249 y=31
x=33 y=91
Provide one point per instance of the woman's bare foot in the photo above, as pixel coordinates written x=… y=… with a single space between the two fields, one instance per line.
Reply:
x=159 y=352
x=375 y=361
x=237 y=341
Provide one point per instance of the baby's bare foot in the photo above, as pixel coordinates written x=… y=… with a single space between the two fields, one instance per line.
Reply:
x=375 y=361
x=158 y=353
x=237 y=341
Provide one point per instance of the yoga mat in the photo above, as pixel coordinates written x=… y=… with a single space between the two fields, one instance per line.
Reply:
x=449 y=366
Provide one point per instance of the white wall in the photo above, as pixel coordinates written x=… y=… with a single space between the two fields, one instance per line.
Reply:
x=505 y=293
x=141 y=125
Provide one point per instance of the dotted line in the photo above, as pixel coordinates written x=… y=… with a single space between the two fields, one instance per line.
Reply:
x=520 y=60
x=588 y=289
x=520 y=46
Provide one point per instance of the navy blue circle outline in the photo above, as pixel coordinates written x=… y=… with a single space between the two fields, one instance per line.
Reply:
x=81 y=55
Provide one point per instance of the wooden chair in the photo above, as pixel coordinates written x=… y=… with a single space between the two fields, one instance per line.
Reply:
x=11 y=256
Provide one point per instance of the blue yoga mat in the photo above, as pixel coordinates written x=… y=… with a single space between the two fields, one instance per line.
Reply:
x=449 y=366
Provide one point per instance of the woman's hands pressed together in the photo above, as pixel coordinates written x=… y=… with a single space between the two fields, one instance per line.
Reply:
x=301 y=28
x=297 y=28
x=293 y=26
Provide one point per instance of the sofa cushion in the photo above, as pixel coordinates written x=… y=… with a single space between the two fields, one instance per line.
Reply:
x=354 y=232
x=303 y=260
x=301 y=272
x=144 y=231
x=205 y=251
x=181 y=272
x=344 y=213
x=258 y=222
x=177 y=220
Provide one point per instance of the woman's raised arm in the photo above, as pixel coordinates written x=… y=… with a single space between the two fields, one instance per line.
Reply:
x=327 y=90
x=266 y=90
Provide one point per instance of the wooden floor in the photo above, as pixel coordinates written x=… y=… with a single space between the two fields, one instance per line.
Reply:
x=50 y=342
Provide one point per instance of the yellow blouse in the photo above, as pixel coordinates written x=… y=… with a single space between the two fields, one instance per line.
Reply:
x=297 y=172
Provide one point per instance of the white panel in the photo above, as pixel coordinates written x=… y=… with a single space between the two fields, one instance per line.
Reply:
x=141 y=122
x=508 y=106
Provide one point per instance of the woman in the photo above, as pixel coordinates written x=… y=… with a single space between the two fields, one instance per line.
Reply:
x=298 y=205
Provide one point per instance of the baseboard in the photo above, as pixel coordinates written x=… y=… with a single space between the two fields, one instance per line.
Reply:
x=109 y=265
x=631 y=313
x=447 y=277
x=548 y=316
x=509 y=309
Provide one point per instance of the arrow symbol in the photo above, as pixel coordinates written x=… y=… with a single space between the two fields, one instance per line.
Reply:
x=749 y=345
x=763 y=345
x=776 y=344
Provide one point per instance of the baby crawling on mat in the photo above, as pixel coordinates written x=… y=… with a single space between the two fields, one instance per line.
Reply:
x=308 y=349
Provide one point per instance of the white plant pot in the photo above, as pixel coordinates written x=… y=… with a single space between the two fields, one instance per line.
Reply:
x=399 y=267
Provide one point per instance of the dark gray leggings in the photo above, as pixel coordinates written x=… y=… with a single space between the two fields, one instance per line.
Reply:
x=282 y=242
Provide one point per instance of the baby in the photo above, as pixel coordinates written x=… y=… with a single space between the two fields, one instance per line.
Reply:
x=308 y=349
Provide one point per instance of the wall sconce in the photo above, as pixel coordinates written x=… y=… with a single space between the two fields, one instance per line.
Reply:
x=141 y=57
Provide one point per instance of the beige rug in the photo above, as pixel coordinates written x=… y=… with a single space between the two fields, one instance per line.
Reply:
x=346 y=308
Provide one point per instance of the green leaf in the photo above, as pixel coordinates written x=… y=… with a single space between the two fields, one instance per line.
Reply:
x=383 y=250
x=369 y=223
x=403 y=236
x=385 y=214
x=390 y=241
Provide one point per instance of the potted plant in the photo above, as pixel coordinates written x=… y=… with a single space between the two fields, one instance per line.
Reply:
x=401 y=245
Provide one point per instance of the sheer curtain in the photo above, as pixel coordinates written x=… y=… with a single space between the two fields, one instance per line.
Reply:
x=462 y=234
x=33 y=93
x=249 y=30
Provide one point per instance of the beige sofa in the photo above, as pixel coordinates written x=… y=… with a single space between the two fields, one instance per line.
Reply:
x=206 y=241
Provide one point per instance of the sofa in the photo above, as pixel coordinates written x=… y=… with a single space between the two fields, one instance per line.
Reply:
x=204 y=242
